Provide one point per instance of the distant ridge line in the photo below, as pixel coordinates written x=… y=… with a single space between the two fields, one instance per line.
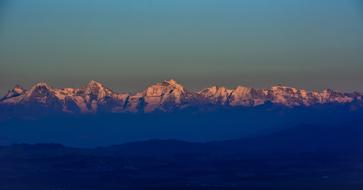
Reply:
x=167 y=95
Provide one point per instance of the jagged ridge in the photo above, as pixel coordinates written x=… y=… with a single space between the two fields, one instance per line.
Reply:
x=165 y=96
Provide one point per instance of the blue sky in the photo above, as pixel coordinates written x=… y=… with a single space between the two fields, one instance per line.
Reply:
x=127 y=45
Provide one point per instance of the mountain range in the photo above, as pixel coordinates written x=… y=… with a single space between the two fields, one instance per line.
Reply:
x=166 y=96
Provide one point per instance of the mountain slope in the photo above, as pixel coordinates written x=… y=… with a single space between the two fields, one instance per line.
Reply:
x=166 y=96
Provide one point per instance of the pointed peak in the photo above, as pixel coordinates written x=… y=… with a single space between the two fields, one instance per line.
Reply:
x=41 y=88
x=166 y=86
x=94 y=83
x=171 y=82
x=16 y=91
x=41 y=85
x=39 y=92
x=97 y=89
x=17 y=88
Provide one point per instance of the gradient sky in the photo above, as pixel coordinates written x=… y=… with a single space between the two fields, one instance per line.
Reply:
x=127 y=45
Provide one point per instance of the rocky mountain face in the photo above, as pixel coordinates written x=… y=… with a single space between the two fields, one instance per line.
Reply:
x=166 y=96
x=16 y=91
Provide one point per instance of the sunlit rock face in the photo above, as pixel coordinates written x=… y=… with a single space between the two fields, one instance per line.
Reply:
x=216 y=95
x=40 y=95
x=166 y=96
x=289 y=96
x=245 y=96
x=16 y=91
x=99 y=98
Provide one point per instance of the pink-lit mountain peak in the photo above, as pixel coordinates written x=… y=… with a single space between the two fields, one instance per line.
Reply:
x=168 y=95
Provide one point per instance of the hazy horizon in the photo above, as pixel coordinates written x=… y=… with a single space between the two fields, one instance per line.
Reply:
x=128 y=45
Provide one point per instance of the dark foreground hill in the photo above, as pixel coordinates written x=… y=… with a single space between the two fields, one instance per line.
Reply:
x=304 y=157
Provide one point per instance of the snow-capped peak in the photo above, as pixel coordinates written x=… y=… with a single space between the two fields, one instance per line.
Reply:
x=214 y=90
x=215 y=94
x=93 y=83
x=166 y=87
x=41 y=85
x=96 y=90
x=16 y=91
x=168 y=92
x=246 y=96
x=39 y=89
x=168 y=95
x=171 y=82
x=281 y=87
x=242 y=90
x=40 y=93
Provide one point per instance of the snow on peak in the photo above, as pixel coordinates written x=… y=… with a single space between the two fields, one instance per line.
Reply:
x=246 y=96
x=41 y=89
x=16 y=91
x=41 y=85
x=171 y=82
x=329 y=95
x=168 y=95
x=167 y=92
x=215 y=94
x=166 y=87
x=96 y=90
x=40 y=93
x=93 y=83
x=243 y=90
x=281 y=87
x=214 y=90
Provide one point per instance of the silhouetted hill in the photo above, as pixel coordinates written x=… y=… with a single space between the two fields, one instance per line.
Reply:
x=304 y=157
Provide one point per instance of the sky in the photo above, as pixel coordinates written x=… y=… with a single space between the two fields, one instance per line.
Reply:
x=129 y=44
